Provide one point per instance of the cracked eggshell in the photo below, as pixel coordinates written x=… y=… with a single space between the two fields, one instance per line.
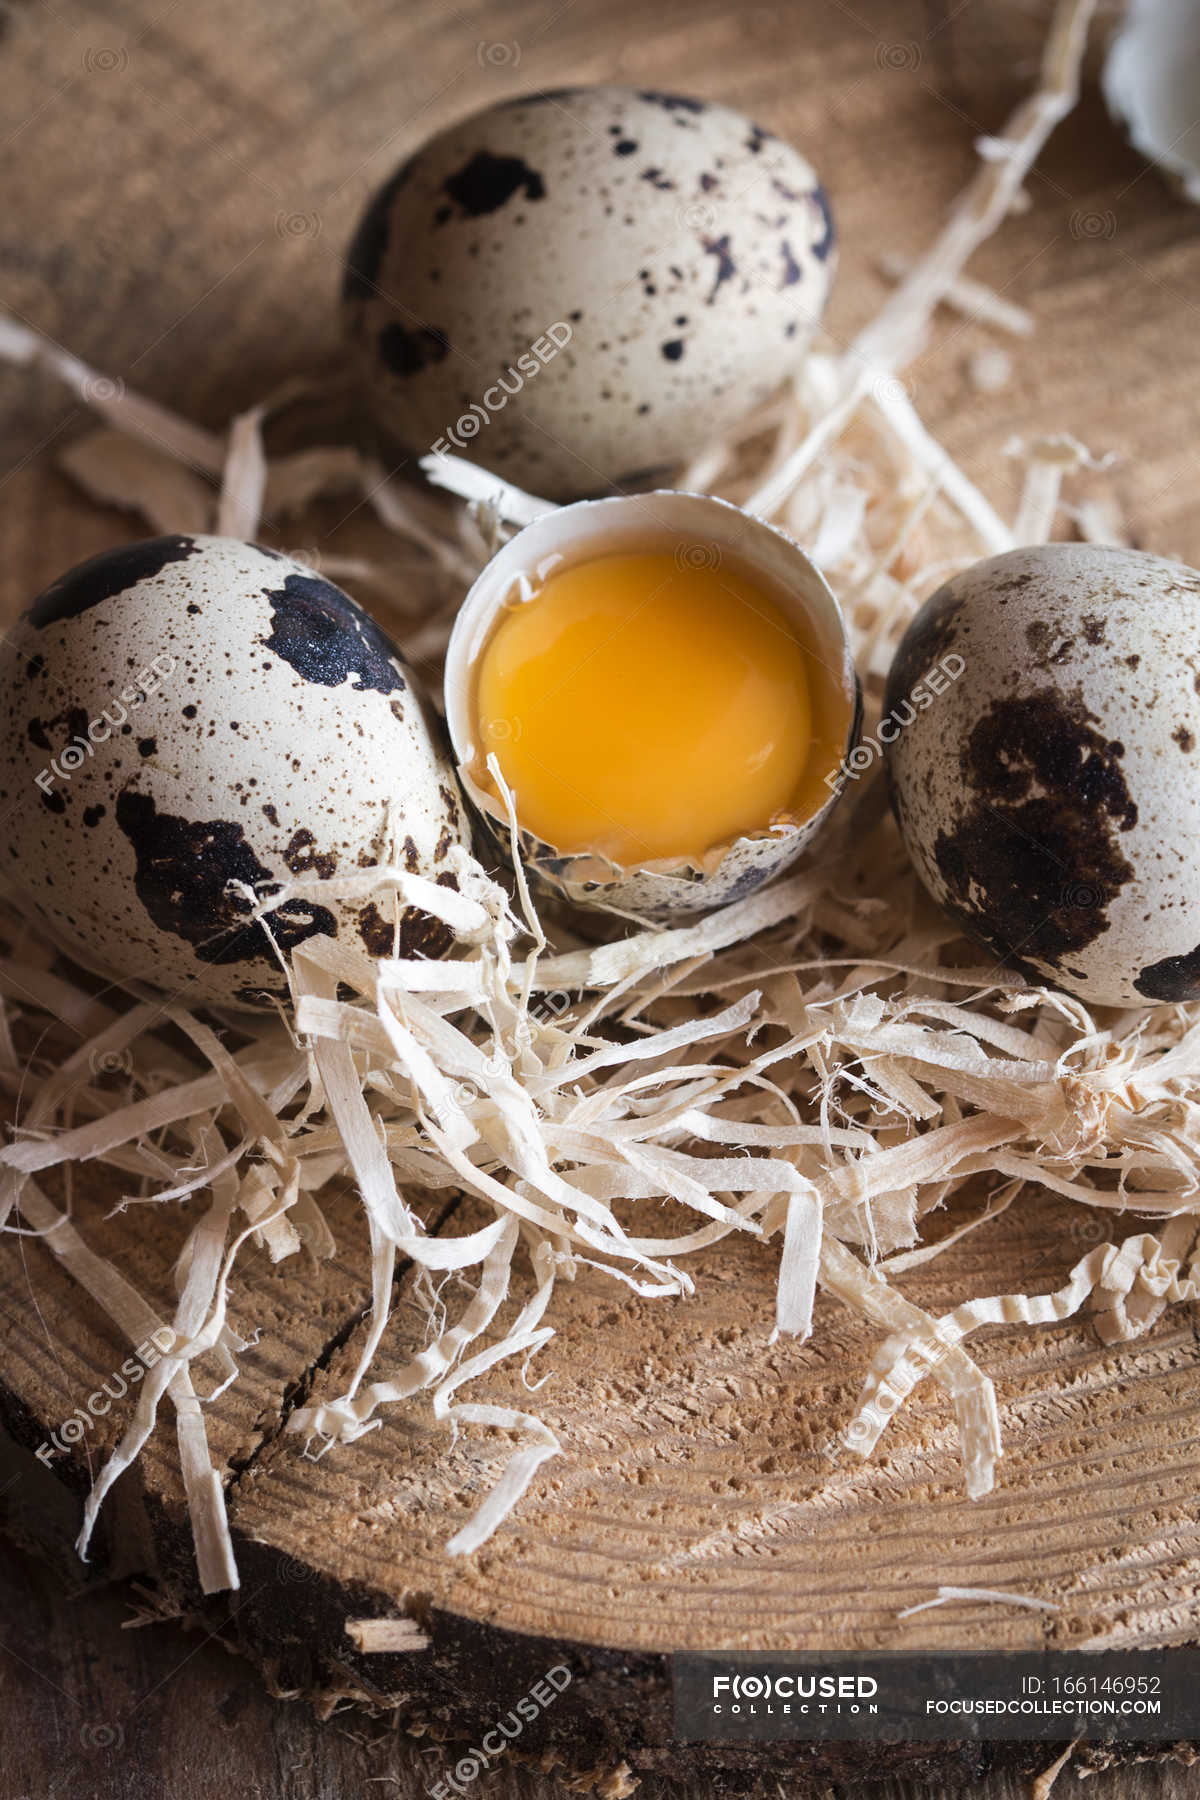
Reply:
x=706 y=527
x=1049 y=795
x=185 y=712
x=580 y=288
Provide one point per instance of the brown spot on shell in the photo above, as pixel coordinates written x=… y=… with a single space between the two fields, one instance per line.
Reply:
x=1034 y=863
x=376 y=932
x=303 y=858
x=450 y=802
x=420 y=935
x=1047 y=643
x=185 y=868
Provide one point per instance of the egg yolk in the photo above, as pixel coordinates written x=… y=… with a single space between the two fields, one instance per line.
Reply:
x=643 y=708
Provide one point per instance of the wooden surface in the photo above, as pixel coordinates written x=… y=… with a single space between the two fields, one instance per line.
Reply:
x=696 y=1507
x=90 y=1711
x=187 y=178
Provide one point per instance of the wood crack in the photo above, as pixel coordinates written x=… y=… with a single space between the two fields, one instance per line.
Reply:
x=297 y=1391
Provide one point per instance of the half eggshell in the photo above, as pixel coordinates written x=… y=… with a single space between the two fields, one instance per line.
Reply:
x=699 y=527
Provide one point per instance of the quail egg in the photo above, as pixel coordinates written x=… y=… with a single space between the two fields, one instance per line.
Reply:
x=665 y=687
x=187 y=713
x=1044 y=716
x=578 y=288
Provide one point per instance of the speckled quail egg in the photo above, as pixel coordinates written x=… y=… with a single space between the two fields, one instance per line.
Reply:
x=1044 y=711
x=578 y=288
x=189 y=712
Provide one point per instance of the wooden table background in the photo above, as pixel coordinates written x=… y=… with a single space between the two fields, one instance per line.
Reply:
x=181 y=182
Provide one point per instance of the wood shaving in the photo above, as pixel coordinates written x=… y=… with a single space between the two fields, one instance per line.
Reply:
x=322 y=472
x=128 y=412
x=992 y=1596
x=990 y=370
x=123 y=471
x=848 y=1073
x=1099 y=521
x=377 y=1637
x=1047 y=460
x=464 y=478
x=982 y=305
x=243 y=478
x=1040 y=1787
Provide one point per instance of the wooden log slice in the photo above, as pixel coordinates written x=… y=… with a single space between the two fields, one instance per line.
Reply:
x=189 y=177
x=694 y=1509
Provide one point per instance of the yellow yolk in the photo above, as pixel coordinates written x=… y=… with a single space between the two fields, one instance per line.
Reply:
x=644 y=709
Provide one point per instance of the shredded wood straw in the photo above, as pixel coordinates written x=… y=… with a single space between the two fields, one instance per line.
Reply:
x=847 y=1072
x=992 y=1596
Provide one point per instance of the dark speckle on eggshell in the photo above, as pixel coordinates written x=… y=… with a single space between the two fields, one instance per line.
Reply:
x=1032 y=873
x=103 y=577
x=487 y=182
x=421 y=935
x=1175 y=978
x=303 y=858
x=184 y=868
x=450 y=802
x=726 y=266
x=370 y=239
x=376 y=932
x=406 y=350
x=672 y=102
x=932 y=635
x=1047 y=643
x=326 y=638
x=828 y=238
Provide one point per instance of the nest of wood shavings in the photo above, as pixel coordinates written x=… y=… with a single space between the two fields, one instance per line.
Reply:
x=823 y=1062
